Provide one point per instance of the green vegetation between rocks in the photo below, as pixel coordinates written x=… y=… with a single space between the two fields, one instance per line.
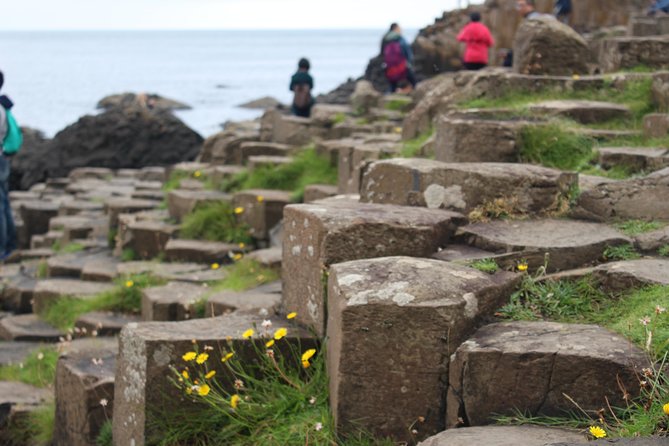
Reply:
x=621 y=252
x=664 y=251
x=307 y=168
x=105 y=436
x=489 y=266
x=177 y=176
x=215 y=221
x=125 y=297
x=69 y=248
x=39 y=368
x=637 y=227
x=554 y=144
x=37 y=428
x=413 y=147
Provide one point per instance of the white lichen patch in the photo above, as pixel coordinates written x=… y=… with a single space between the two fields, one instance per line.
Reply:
x=471 y=305
x=390 y=291
x=350 y=279
x=468 y=275
x=310 y=250
x=296 y=250
x=163 y=355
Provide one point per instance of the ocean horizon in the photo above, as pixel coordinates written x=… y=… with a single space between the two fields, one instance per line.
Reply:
x=55 y=77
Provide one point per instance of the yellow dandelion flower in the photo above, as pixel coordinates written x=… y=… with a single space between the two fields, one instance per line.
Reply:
x=210 y=374
x=308 y=354
x=239 y=210
x=291 y=315
x=248 y=333
x=242 y=245
x=197 y=174
x=185 y=374
x=203 y=390
x=260 y=198
x=234 y=401
x=269 y=343
x=202 y=357
x=237 y=256
x=306 y=364
x=215 y=266
x=280 y=333
x=522 y=267
x=129 y=284
x=597 y=432
x=398 y=129
x=665 y=408
x=226 y=357
x=189 y=356
x=576 y=77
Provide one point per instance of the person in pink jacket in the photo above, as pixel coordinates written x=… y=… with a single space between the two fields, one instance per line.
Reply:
x=478 y=40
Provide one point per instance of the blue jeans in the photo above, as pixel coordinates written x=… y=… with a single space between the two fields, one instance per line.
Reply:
x=7 y=228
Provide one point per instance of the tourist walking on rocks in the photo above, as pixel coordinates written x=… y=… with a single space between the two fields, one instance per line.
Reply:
x=526 y=9
x=478 y=40
x=562 y=10
x=301 y=85
x=659 y=5
x=397 y=58
x=7 y=228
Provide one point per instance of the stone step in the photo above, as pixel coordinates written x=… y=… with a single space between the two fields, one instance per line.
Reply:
x=147 y=238
x=252 y=301
x=116 y=206
x=81 y=173
x=269 y=258
x=182 y=202
x=35 y=254
x=531 y=366
x=172 y=302
x=199 y=251
x=585 y=112
x=17 y=293
x=18 y=400
x=48 y=290
x=569 y=244
x=45 y=241
x=526 y=188
x=624 y=275
x=503 y=436
x=152 y=173
x=634 y=199
x=147 y=349
x=15 y=352
x=79 y=227
x=620 y=53
x=262 y=209
x=353 y=158
x=588 y=182
x=634 y=159
x=156 y=195
x=420 y=307
x=315 y=192
x=36 y=215
x=76 y=207
x=656 y=125
x=84 y=390
x=72 y=265
x=255 y=162
x=28 y=327
x=183 y=272
x=604 y=135
x=105 y=323
x=257 y=148
x=100 y=269
x=219 y=174
x=320 y=234
x=652 y=241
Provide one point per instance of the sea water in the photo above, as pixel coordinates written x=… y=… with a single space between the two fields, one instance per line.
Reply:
x=58 y=76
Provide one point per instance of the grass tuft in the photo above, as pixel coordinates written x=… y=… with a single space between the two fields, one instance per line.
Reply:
x=555 y=145
x=637 y=227
x=489 y=266
x=621 y=252
x=214 y=221
x=105 y=436
x=39 y=368
x=245 y=274
x=412 y=148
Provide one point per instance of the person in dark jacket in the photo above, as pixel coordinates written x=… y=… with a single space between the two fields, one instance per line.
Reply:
x=397 y=58
x=562 y=10
x=659 y=5
x=301 y=85
x=7 y=228
x=478 y=40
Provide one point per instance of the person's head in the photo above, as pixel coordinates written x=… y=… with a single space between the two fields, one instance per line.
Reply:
x=303 y=64
x=524 y=7
x=396 y=28
x=475 y=16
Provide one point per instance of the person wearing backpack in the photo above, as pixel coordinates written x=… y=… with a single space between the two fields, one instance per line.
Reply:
x=397 y=58
x=301 y=85
x=11 y=140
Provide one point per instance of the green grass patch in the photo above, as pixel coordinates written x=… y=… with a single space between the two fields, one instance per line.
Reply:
x=39 y=368
x=306 y=168
x=125 y=297
x=398 y=104
x=555 y=145
x=664 y=251
x=36 y=429
x=489 y=266
x=621 y=252
x=245 y=274
x=277 y=402
x=412 y=148
x=128 y=255
x=636 y=227
x=615 y=172
x=69 y=248
x=105 y=438
x=215 y=221
x=339 y=118
x=42 y=270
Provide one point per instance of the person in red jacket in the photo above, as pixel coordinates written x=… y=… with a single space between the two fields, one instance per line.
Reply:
x=478 y=40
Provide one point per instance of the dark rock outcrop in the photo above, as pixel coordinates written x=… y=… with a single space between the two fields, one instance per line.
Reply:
x=31 y=164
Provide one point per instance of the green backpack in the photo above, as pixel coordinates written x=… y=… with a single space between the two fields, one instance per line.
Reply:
x=14 y=137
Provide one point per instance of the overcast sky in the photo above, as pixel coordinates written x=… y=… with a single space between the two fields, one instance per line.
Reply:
x=220 y=14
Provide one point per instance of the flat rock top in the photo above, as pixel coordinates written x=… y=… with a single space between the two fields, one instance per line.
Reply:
x=267 y=194
x=106 y=319
x=340 y=213
x=502 y=436
x=260 y=144
x=200 y=194
x=175 y=291
x=40 y=205
x=246 y=300
x=28 y=325
x=71 y=287
x=409 y=281
x=130 y=203
x=189 y=272
x=153 y=225
x=15 y=352
x=540 y=234
x=199 y=245
x=651 y=270
x=649 y=152
x=570 y=104
x=22 y=394
x=97 y=365
x=554 y=338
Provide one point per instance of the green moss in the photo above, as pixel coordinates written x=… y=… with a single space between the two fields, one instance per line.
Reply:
x=636 y=227
x=128 y=255
x=215 y=221
x=339 y=118
x=621 y=252
x=412 y=148
x=489 y=266
x=398 y=104
x=555 y=145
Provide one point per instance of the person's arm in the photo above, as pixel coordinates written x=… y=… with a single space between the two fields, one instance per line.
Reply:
x=462 y=37
x=406 y=50
x=490 y=39
x=3 y=126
